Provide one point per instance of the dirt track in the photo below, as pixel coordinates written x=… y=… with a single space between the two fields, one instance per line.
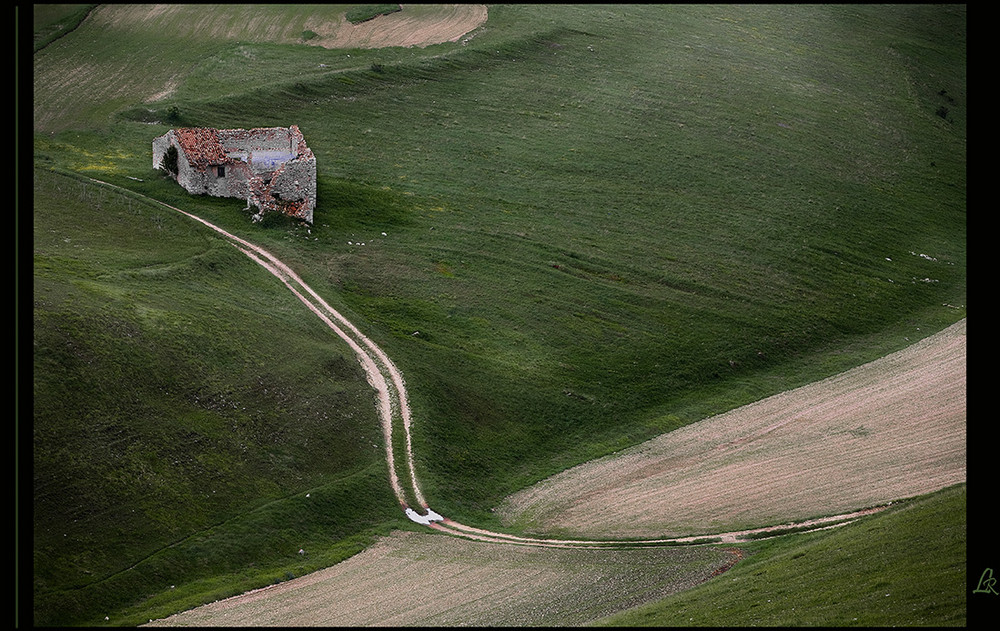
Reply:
x=890 y=429
x=416 y=579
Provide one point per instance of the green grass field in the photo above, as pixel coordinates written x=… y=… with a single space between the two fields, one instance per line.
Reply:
x=587 y=226
x=902 y=568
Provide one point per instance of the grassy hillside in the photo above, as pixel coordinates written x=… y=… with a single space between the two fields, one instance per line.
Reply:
x=865 y=575
x=586 y=226
x=184 y=405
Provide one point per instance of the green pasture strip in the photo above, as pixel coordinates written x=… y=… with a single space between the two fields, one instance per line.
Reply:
x=367 y=12
x=903 y=567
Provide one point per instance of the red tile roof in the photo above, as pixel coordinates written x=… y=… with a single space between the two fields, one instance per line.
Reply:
x=201 y=146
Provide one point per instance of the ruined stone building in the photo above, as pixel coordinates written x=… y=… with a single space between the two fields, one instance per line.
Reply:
x=270 y=167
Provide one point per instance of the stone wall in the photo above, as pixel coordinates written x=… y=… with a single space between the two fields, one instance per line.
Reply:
x=271 y=168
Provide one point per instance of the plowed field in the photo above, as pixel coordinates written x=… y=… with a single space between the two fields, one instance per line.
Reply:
x=890 y=429
x=414 y=26
x=415 y=579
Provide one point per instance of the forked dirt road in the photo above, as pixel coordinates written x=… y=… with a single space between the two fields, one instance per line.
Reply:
x=604 y=511
x=887 y=430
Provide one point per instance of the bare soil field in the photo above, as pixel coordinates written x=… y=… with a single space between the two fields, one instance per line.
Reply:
x=413 y=26
x=146 y=76
x=890 y=429
x=417 y=579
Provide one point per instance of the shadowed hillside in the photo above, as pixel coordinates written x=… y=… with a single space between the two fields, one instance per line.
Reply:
x=574 y=229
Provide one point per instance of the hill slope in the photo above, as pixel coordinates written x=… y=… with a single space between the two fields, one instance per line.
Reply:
x=893 y=428
x=586 y=226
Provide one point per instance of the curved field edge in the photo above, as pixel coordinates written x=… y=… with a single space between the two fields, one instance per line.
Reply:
x=892 y=428
x=185 y=414
x=904 y=567
x=404 y=319
x=425 y=579
x=134 y=57
x=328 y=26
x=862 y=574
x=488 y=587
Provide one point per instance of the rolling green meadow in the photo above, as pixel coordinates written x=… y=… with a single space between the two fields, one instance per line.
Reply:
x=583 y=226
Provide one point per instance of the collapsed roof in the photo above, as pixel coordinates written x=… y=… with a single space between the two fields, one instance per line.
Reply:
x=271 y=167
